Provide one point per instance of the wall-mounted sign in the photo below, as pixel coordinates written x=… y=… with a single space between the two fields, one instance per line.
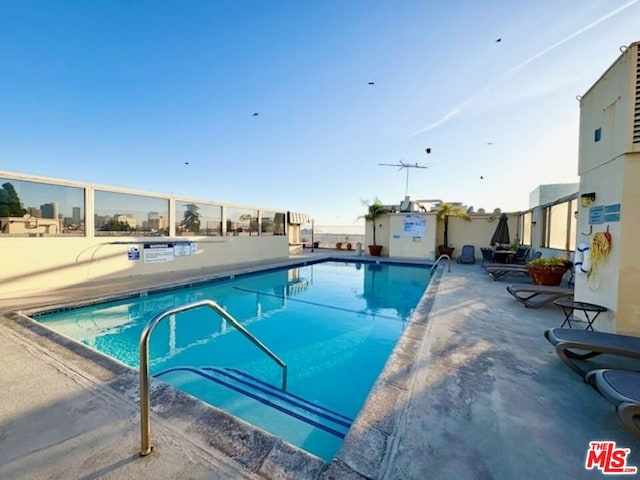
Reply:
x=595 y=215
x=604 y=214
x=612 y=213
x=134 y=252
x=414 y=226
x=158 y=252
x=182 y=249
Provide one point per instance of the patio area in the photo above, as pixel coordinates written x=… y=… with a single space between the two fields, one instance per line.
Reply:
x=472 y=391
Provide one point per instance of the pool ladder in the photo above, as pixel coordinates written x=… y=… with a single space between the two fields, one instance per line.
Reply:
x=443 y=256
x=145 y=401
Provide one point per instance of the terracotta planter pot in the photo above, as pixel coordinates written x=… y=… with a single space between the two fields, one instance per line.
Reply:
x=446 y=251
x=550 y=276
x=375 y=250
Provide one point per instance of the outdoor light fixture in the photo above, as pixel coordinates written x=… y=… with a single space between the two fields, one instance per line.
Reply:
x=586 y=199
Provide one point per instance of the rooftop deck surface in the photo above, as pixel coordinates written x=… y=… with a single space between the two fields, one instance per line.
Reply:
x=472 y=391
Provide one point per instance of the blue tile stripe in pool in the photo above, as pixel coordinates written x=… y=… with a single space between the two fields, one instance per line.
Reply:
x=292 y=395
x=264 y=401
x=316 y=304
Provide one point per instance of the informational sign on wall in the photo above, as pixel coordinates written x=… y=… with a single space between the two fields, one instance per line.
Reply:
x=134 y=252
x=158 y=252
x=414 y=226
x=604 y=214
x=182 y=249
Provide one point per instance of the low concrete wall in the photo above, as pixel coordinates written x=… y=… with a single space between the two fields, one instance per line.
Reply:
x=47 y=263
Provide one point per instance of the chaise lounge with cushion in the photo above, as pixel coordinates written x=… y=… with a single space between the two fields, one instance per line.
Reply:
x=622 y=388
x=536 y=296
x=574 y=345
x=468 y=254
x=498 y=271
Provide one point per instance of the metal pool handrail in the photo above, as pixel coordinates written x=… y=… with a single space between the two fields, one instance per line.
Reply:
x=444 y=255
x=145 y=401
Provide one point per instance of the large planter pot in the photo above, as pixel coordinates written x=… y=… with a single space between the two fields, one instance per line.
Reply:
x=446 y=251
x=375 y=250
x=550 y=276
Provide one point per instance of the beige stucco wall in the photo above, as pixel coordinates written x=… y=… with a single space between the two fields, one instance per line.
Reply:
x=601 y=288
x=382 y=234
x=608 y=105
x=407 y=246
x=32 y=264
x=610 y=168
x=477 y=232
x=626 y=244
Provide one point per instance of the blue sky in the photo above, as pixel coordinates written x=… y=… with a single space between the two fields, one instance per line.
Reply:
x=124 y=93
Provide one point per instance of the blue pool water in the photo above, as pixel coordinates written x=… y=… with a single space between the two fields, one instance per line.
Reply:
x=333 y=323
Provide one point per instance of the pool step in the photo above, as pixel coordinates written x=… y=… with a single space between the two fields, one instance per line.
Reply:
x=247 y=397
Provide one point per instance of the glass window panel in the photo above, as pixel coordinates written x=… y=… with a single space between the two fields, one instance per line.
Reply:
x=198 y=219
x=279 y=223
x=526 y=228
x=242 y=222
x=266 y=223
x=127 y=214
x=546 y=219
x=40 y=209
x=272 y=223
x=558 y=227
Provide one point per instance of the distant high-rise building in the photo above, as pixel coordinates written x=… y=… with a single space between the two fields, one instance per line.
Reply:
x=35 y=212
x=75 y=217
x=50 y=210
x=157 y=221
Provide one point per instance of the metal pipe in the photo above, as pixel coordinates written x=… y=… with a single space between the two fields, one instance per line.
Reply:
x=145 y=400
x=444 y=255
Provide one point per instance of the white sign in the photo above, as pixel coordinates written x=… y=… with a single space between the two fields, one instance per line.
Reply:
x=158 y=252
x=182 y=249
x=134 y=252
x=414 y=226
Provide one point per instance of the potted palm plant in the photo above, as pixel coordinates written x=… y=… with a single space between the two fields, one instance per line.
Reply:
x=447 y=210
x=374 y=210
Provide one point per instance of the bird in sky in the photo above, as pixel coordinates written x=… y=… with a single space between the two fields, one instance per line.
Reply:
x=372 y=83
x=428 y=150
x=255 y=114
x=186 y=163
x=489 y=143
x=499 y=40
x=481 y=177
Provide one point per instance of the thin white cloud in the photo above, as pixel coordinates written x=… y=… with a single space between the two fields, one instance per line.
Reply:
x=459 y=108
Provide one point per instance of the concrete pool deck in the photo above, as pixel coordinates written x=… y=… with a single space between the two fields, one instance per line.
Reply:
x=472 y=391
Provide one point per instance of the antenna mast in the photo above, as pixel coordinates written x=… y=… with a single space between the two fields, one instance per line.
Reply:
x=406 y=166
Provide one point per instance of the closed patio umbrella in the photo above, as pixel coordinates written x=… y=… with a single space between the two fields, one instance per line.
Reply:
x=501 y=235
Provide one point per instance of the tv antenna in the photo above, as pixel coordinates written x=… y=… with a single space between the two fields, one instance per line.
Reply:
x=406 y=166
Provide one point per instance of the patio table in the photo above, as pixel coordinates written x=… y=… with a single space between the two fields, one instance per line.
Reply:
x=569 y=305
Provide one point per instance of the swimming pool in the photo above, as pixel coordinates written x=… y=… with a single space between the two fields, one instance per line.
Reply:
x=333 y=323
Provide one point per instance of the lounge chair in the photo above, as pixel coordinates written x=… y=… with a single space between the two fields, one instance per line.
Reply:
x=566 y=341
x=487 y=256
x=621 y=388
x=468 y=254
x=535 y=296
x=498 y=271
x=522 y=253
